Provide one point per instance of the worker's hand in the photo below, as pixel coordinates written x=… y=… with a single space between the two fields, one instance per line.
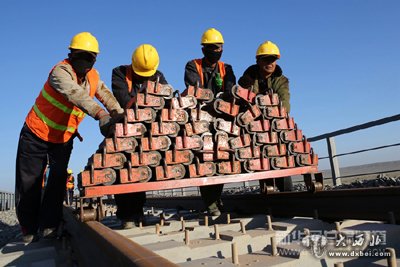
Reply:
x=105 y=122
x=117 y=115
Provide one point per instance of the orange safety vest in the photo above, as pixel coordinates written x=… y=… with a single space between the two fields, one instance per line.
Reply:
x=70 y=182
x=128 y=77
x=221 y=68
x=53 y=118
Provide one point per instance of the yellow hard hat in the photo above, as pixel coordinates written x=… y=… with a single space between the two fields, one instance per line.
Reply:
x=268 y=48
x=69 y=171
x=85 y=41
x=145 y=60
x=212 y=36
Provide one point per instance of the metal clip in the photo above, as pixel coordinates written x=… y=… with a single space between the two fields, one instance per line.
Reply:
x=104 y=160
x=227 y=126
x=188 y=142
x=165 y=172
x=267 y=100
x=155 y=88
x=92 y=177
x=258 y=164
x=133 y=175
x=183 y=102
x=129 y=129
x=247 y=95
x=243 y=140
x=140 y=115
x=201 y=94
x=197 y=127
x=229 y=108
x=249 y=115
x=261 y=125
x=174 y=115
x=201 y=169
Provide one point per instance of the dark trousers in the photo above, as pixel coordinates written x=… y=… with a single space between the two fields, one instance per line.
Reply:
x=69 y=197
x=32 y=156
x=130 y=206
x=211 y=194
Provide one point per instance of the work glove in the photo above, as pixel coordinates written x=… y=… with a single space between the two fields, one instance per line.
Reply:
x=105 y=122
x=117 y=115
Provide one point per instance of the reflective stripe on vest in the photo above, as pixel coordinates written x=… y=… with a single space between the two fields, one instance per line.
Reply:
x=53 y=118
x=51 y=123
x=59 y=105
x=221 y=67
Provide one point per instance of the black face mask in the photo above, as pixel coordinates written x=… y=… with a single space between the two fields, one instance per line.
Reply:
x=212 y=56
x=82 y=63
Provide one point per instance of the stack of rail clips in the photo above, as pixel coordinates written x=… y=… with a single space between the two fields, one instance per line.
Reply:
x=168 y=135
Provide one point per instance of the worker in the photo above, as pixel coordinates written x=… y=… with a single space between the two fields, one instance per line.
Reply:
x=211 y=73
x=264 y=76
x=69 y=196
x=49 y=130
x=126 y=81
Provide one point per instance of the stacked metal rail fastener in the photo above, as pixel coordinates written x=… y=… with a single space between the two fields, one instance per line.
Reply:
x=168 y=135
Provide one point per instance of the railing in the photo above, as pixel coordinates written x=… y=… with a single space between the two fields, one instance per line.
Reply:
x=333 y=156
x=7 y=201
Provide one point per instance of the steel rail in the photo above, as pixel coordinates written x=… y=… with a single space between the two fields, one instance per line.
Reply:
x=363 y=204
x=97 y=245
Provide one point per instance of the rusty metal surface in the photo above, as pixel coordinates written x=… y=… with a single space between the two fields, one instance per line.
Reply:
x=197 y=127
x=227 y=126
x=120 y=144
x=129 y=129
x=102 y=160
x=244 y=94
x=140 y=115
x=165 y=172
x=147 y=100
x=95 y=191
x=261 y=125
x=229 y=108
x=201 y=169
x=105 y=176
x=164 y=128
x=249 y=115
x=174 y=115
x=201 y=94
x=155 y=143
x=267 y=100
x=97 y=245
x=155 y=88
x=133 y=175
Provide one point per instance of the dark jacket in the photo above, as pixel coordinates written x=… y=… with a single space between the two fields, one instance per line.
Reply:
x=192 y=76
x=277 y=82
x=120 y=86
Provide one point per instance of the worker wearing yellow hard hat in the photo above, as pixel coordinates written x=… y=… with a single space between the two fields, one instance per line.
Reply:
x=262 y=77
x=49 y=129
x=208 y=71
x=127 y=79
x=126 y=82
x=266 y=74
x=211 y=73
x=69 y=195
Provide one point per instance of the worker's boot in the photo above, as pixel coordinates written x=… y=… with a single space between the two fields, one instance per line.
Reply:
x=213 y=209
x=28 y=236
x=127 y=224
x=49 y=233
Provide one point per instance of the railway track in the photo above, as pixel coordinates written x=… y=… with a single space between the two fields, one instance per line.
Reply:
x=361 y=204
x=172 y=235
